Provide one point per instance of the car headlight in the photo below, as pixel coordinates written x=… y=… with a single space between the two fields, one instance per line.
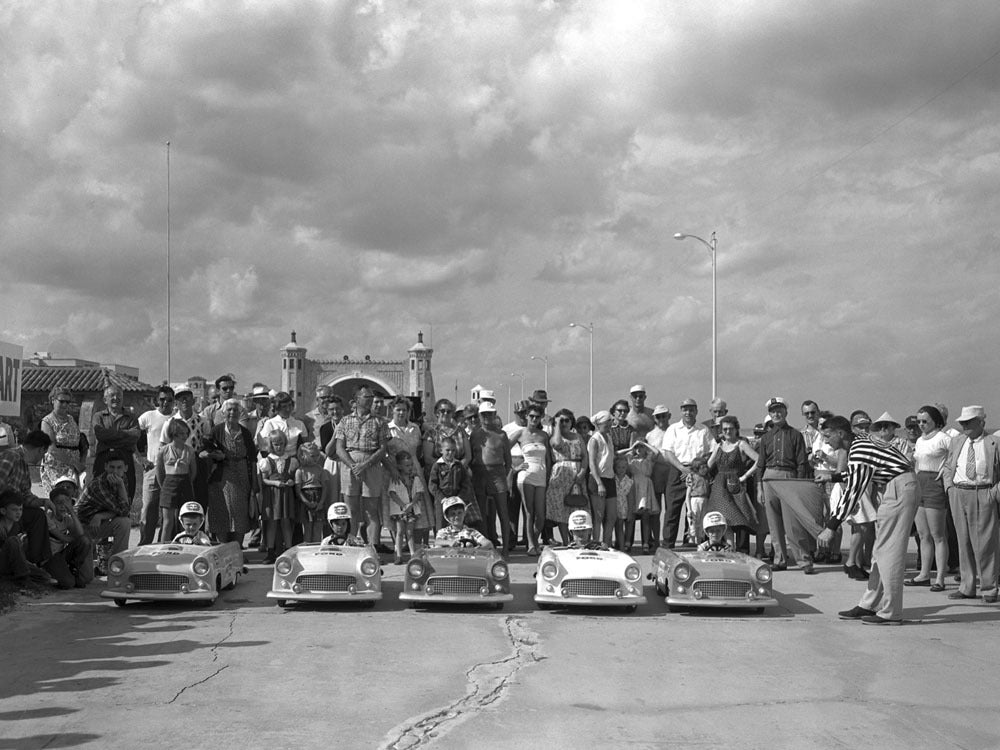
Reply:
x=763 y=574
x=116 y=566
x=283 y=566
x=200 y=566
x=369 y=567
x=683 y=572
x=550 y=570
x=499 y=570
x=632 y=572
x=415 y=568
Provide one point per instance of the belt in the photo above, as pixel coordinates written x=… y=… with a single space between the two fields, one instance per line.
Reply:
x=973 y=486
x=361 y=450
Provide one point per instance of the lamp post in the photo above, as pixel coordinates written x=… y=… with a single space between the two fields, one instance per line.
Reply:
x=546 y=361
x=712 y=248
x=589 y=329
x=519 y=375
x=508 y=400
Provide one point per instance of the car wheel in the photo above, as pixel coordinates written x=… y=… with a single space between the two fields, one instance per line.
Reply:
x=674 y=608
x=369 y=604
x=544 y=607
x=413 y=605
x=499 y=605
x=120 y=602
x=281 y=602
x=630 y=608
x=232 y=584
x=759 y=611
x=206 y=603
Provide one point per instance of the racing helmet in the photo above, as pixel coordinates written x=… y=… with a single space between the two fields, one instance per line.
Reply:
x=579 y=520
x=338 y=512
x=191 y=508
x=713 y=518
x=452 y=502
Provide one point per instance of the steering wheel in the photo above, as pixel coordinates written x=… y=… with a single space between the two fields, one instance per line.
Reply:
x=467 y=543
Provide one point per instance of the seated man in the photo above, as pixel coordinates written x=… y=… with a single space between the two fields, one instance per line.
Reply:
x=104 y=507
x=456 y=533
x=582 y=528
x=192 y=518
x=715 y=527
x=13 y=562
x=339 y=516
x=71 y=562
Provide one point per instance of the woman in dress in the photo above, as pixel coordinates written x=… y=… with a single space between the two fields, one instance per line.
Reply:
x=229 y=513
x=64 y=458
x=621 y=434
x=929 y=453
x=533 y=474
x=445 y=427
x=733 y=461
x=405 y=434
x=569 y=471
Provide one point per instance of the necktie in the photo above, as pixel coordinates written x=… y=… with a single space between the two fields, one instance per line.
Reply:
x=970 y=463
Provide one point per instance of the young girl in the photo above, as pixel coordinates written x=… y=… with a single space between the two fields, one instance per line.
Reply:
x=279 y=505
x=312 y=491
x=404 y=505
x=647 y=505
x=625 y=498
x=698 y=490
x=176 y=469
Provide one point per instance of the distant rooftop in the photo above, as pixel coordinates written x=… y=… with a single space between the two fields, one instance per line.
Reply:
x=78 y=378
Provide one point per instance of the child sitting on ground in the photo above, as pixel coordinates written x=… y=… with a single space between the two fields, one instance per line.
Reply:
x=582 y=529
x=456 y=533
x=72 y=560
x=339 y=516
x=403 y=505
x=13 y=563
x=192 y=518
x=698 y=489
x=715 y=531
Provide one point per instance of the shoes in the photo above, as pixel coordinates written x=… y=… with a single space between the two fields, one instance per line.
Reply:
x=848 y=569
x=778 y=567
x=876 y=620
x=960 y=595
x=917 y=582
x=821 y=557
x=809 y=569
x=532 y=551
x=856 y=573
x=937 y=587
x=397 y=560
x=990 y=598
x=855 y=613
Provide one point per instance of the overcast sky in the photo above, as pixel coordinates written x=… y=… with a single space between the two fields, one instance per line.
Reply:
x=491 y=172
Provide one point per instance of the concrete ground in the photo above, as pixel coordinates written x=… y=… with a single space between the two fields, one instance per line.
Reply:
x=79 y=671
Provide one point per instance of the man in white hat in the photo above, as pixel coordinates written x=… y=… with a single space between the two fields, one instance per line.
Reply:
x=317 y=416
x=972 y=480
x=640 y=416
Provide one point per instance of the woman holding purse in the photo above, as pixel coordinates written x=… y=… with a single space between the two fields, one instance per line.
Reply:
x=565 y=491
x=733 y=461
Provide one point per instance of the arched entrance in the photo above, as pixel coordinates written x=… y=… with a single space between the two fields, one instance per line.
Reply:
x=345 y=386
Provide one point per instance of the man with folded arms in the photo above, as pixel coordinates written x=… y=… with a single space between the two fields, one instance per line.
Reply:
x=783 y=455
x=872 y=458
x=971 y=476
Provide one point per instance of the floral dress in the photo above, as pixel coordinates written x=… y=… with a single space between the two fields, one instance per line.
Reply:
x=735 y=507
x=62 y=459
x=568 y=458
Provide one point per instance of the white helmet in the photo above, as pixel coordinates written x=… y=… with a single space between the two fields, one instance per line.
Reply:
x=579 y=520
x=191 y=508
x=713 y=518
x=451 y=502
x=338 y=512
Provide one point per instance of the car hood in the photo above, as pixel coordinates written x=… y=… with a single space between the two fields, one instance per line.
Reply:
x=459 y=560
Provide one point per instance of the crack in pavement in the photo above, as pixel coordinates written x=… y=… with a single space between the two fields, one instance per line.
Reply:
x=488 y=684
x=215 y=658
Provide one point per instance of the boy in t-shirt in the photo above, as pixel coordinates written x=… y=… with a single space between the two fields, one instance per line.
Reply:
x=13 y=563
x=456 y=533
x=71 y=562
x=192 y=518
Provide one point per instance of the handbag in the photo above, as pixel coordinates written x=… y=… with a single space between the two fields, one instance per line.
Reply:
x=734 y=485
x=575 y=498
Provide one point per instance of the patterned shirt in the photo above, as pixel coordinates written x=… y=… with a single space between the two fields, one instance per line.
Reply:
x=366 y=434
x=14 y=475
x=199 y=429
x=101 y=496
x=448 y=536
x=784 y=448
x=723 y=546
x=869 y=459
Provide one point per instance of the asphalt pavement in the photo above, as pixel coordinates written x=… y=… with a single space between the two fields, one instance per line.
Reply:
x=80 y=672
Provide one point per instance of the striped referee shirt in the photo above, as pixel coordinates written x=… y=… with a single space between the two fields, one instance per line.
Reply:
x=869 y=459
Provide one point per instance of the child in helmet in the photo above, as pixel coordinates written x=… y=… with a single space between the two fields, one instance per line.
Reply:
x=715 y=526
x=456 y=533
x=192 y=518
x=581 y=528
x=339 y=516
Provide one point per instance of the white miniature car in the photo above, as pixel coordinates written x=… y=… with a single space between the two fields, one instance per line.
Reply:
x=578 y=576
x=690 y=578
x=327 y=573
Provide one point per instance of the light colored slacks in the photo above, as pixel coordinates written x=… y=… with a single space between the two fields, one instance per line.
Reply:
x=893 y=522
x=976 y=525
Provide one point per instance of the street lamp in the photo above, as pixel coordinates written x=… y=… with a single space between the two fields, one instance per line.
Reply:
x=519 y=375
x=712 y=247
x=546 y=361
x=589 y=329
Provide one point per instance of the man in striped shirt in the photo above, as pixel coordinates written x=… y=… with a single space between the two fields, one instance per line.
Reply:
x=871 y=458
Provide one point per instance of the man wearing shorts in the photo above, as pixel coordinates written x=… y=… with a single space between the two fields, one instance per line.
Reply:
x=361 y=439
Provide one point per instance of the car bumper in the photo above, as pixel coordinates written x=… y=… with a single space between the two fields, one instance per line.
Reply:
x=455 y=598
x=589 y=601
x=326 y=596
x=170 y=596
x=690 y=601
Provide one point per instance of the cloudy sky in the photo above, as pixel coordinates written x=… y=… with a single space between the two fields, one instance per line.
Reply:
x=491 y=172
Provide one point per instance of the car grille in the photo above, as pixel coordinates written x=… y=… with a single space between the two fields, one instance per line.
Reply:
x=325 y=582
x=723 y=589
x=157 y=582
x=456 y=584
x=590 y=587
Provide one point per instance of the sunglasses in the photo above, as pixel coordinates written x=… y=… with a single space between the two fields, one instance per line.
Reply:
x=621 y=411
x=65 y=400
x=534 y=416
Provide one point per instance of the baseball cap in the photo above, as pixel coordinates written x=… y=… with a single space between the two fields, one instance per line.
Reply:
x=660 y=409
x=689 y=402
x=637 y=389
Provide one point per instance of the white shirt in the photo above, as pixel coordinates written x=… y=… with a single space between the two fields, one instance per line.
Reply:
x=930 y=453
x=292 y=427
x=982 y=471
x=151 y=422
x=686 y=443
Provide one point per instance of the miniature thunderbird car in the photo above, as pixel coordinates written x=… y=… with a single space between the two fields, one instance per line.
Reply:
x=173 y=572
x=690 y=578
x=457 y=575
x=569 y=576
x=327 y=573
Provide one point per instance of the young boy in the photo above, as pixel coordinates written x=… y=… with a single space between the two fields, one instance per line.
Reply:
x=698 y=490
x=13 y=563
x=339 y=516
x=715 y=529
x=192 y=518
x=456 y=532
x=581 y=527
x=448 y=478
x=72 y=561
x=104 y=505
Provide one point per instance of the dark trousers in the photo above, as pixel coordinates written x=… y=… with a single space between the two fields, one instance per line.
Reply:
x=13 y=563
x=73 y=565
x=673 y=507
x=36 y=526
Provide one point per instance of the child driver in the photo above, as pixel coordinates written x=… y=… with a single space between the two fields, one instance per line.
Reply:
x=456 y=533
x=192 y=518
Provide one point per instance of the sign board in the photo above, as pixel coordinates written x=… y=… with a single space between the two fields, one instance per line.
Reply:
x=10 y=379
